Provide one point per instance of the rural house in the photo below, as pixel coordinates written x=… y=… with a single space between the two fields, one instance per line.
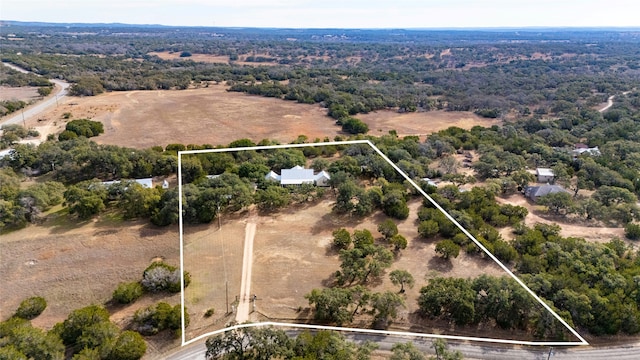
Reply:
x=544 y=175
x=146 y=182
x=535 y=192
x=594 y=151
x=298 y=175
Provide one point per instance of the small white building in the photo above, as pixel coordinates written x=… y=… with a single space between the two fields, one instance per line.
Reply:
x=146 y=182
x=545 y=175
x=594 y=151
x=298 y=175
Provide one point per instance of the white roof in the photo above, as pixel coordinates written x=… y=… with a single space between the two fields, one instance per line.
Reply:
x=296 y=176
x=146 y=182
x=544 y=172
x=4 y=153
x=272 y=176
x=322 y=174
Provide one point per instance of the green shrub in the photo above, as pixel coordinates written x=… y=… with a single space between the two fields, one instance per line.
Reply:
x=209 y=312
x=85 y=127
x=632 y=231
x=127 y=293
x=31 y=307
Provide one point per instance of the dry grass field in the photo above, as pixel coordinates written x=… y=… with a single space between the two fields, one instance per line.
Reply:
x=75 y=264
x=293 y=255
x=24 y=93
x=212 y=115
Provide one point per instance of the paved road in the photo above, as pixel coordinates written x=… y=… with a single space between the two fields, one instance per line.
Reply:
x=40 y=106
x=244 y=307
x=469 y=350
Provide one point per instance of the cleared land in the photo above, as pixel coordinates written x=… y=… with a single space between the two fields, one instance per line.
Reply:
x=293 y=255
x=142 y=119
x=73 y=265
x=25 y=93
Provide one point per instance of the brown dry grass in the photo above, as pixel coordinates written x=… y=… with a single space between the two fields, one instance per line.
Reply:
x=293 y=255
x=24 y=93
x=212 y=115
x=422 y=123
x=207 y=58
x=74 y=264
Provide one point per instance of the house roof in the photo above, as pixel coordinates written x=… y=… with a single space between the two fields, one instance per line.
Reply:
x=296 y=176
x=544 y=172
x=146 y=182
x=322 y=175
x=272 y=176
x=537 y=191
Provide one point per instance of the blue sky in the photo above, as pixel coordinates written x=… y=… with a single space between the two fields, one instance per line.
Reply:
x=331 y=13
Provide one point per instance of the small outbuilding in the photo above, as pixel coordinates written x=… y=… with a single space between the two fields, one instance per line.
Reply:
x=545 y=175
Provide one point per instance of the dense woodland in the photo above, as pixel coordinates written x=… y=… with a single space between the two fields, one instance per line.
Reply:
x=544 y=85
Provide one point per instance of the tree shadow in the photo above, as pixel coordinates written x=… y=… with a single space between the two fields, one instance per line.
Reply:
x=440 y=264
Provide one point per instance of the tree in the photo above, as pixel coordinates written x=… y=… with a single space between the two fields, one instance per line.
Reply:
x=138 y=201
x=428 y=228
x=388 y=228
x=384 y=307
x=401 y=278
x=394 y=204
x=85 y=202
x=559 y=202
x=341 y=238
x=448 y=296
x=632 y=231
x=22 y=341
x=399 y=242
x=32 y=307
x=87 y=86
x=85 y=127
x=330 y=345
x=447 y=249
x=128 y=346
x=250 y=344
x=160 y=276
x=272 y=198
x=354 y=126
x=332 y=305
x=159 y=317
x=127 y=293
x=608 y=195
x=406 y=351
x=79 y=320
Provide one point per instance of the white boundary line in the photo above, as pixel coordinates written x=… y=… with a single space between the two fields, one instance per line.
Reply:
x=367 y=331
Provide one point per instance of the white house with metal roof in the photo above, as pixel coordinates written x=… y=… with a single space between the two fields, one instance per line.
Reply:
x=298 y=175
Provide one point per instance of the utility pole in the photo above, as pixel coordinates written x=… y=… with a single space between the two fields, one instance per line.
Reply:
x=550 y=353
x=226 y=292
x=24 y=123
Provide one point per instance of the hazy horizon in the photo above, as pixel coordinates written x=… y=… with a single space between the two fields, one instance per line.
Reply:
x=333 y=14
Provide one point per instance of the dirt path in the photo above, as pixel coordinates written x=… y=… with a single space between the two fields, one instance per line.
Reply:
x=244 y=306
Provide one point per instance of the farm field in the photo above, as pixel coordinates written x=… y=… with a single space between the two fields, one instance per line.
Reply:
x=142 y=119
